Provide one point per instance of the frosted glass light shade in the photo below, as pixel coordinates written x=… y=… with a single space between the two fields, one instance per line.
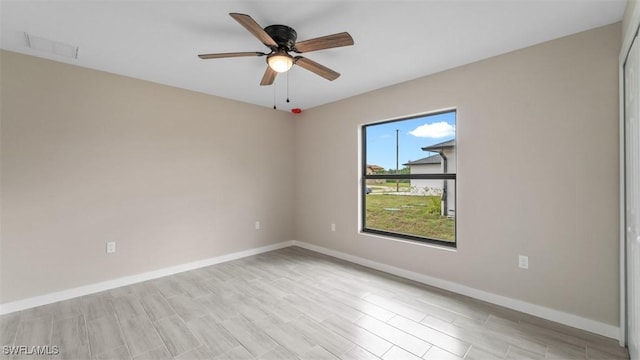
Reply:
x=280 y=62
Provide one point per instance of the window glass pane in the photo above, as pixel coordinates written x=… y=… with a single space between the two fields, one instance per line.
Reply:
x=421 y=204
x=412 y=214
x=392 y=147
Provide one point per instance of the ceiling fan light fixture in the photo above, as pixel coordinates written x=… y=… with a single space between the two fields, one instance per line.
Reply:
x=280 y=62
x=282 y=40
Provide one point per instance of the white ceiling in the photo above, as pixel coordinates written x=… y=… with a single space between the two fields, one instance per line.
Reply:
x=395 y=41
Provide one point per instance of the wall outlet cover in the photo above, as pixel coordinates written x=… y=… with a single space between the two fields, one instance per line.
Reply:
x=523 y=261
x=111 y=247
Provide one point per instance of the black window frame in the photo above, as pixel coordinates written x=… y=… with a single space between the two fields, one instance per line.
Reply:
x=365 y=177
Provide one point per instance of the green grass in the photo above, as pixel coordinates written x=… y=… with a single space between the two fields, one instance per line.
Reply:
x=412 y=215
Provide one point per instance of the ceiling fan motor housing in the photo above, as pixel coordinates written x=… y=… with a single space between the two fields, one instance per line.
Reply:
x=283 y=35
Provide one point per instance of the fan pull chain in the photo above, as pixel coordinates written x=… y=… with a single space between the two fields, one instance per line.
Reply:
x=288 y=86
x=274 y=96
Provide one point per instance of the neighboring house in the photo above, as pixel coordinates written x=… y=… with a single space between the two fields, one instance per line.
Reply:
x=372 y=169
x=442 y=162
x=429 y=165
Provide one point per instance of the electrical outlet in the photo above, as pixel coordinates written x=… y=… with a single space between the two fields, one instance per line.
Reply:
x=333 y=227
x=523 y=262
x=111 y=247
x=257 y=225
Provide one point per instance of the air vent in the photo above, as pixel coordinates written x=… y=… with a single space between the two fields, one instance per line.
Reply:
x=51 y=47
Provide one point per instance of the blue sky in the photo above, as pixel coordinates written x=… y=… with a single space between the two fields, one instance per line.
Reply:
x=412 y=136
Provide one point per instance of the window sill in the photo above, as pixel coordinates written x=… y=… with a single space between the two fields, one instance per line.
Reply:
x=408 y=241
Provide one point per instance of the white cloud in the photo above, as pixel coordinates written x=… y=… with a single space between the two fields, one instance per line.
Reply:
x=434 y=130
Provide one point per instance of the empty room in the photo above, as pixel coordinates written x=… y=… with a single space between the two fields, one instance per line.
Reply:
x=391 y=180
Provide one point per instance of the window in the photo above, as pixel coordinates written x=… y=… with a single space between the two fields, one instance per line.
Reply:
x=409 y=178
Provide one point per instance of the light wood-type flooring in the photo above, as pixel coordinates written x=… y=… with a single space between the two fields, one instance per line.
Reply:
x=291 y=304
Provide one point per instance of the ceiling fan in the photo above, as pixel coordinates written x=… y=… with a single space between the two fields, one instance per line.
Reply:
x=281 y=40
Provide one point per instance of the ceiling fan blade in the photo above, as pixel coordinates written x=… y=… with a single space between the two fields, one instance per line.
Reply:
x=268 y=77
x=253 y=27
x=324 y=42
x=229 y=55
x=316 y=68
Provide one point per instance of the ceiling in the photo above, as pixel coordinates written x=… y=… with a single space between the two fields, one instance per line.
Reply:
x=395 y=41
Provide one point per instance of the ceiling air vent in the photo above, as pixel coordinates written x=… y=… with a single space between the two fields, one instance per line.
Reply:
x=51 y=47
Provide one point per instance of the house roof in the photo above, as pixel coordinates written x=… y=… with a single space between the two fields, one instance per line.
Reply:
x=443 y=145
x=433 y=159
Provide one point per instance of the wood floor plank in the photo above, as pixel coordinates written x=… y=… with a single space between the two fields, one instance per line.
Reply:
x=476 y=337
x=396 y=307
x=104 y=335
x=39 y=311
x=160 y=353
x=393 y=335
x=210 y=333
x=509 y=331
x=70 y=335
x=8 y=328
x=168 y=286
x=176 y=336
x=329 y=301
x=480 y=354
x=34 y=332
x=434 y=337
x=287 y=337
x=140 y=335
x=435 y=353
x=238 y=353
x=611 y=353
x=81 y=352
x=358 y=335
x=308 y=307
x=253 y=338
x=127 y=306
x=270 y=313
x=199 y=353
x=396 y=353
x=187 y=307
x=358 y=353
x=220 y=309
x=118 y=353
x=67 y=309
x=156 y=307
x=319 y=353
x=279 y=353
x=319 y=335
x=573 y=352
x=96 y=306
x=253 y=309
x=427 y=308
x=362 y=305
x=195 y=288
x=516 y=353
x=267 y=289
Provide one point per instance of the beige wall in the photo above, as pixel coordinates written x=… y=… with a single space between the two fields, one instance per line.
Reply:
x=537 y=137
x=172 y=176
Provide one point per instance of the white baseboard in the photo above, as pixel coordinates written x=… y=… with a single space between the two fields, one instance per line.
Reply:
x=133 y=279
x=561 y=317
